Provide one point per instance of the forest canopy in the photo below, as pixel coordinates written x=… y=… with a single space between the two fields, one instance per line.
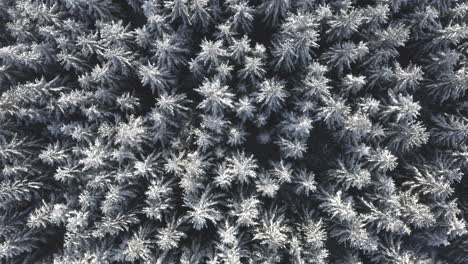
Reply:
x=233 y=131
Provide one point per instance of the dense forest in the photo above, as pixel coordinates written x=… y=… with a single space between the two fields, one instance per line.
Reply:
x=233 y=131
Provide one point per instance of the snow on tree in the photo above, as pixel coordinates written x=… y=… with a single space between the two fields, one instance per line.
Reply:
x=236 y=131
